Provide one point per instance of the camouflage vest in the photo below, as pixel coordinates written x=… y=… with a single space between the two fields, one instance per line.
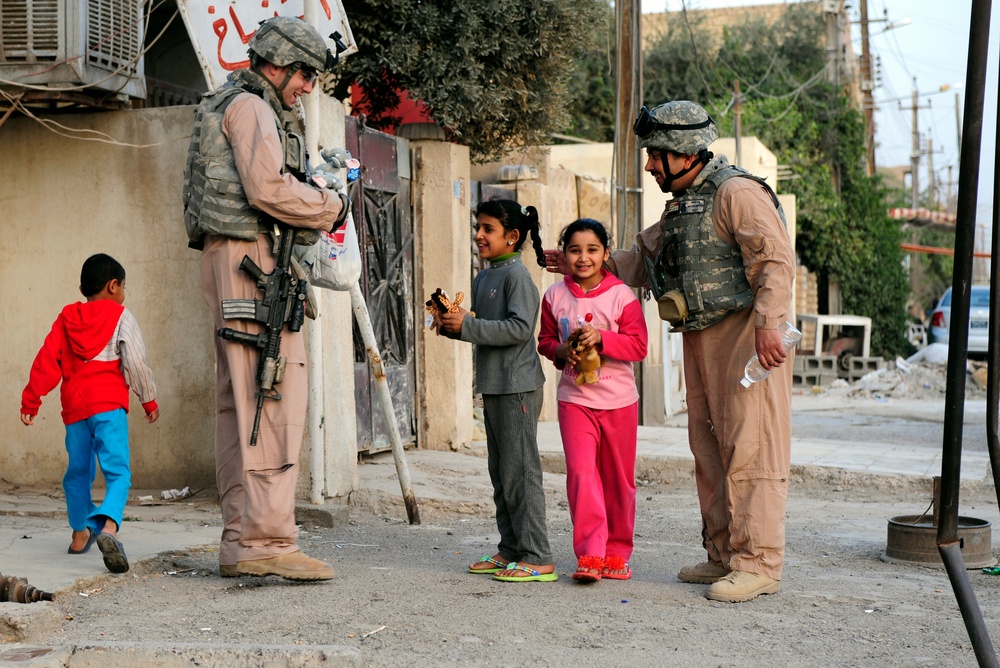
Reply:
x=214 y=200
x=693 y=259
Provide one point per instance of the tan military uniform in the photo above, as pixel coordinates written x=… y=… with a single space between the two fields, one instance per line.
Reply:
x=257 y=484
x=740 y=438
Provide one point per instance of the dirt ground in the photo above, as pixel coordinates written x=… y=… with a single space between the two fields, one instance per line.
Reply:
x=402 y=596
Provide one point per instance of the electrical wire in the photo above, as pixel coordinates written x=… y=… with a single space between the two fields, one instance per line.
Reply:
x=65 y=131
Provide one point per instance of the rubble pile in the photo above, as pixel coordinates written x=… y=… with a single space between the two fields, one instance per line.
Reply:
x=917 y=380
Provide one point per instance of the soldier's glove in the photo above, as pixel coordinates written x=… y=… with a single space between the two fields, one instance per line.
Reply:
x=345 y=209
x=322 y=179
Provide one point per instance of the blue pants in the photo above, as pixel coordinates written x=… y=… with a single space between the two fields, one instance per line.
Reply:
x=100 y=439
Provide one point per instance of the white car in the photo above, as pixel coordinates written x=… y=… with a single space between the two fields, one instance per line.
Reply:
x=979 y=319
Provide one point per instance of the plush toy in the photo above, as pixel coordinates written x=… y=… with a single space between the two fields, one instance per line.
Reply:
x=441 y=303
x=588 y=369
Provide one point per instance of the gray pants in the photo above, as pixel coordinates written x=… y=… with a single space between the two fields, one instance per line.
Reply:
x=516 y=473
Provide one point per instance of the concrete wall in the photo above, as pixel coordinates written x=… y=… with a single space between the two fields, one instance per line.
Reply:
x=443 y=255
x=64 y=200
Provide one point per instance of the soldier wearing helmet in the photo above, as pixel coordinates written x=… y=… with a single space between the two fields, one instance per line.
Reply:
x=721 y=266
x=246 y=172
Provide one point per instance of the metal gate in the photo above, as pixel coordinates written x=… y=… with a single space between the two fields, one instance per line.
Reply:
x=381 y=204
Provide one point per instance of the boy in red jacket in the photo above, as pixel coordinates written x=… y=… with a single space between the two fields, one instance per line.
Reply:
x=96 y=350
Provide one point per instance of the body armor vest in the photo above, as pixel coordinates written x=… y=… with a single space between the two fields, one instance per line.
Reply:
x=694 y=261
x=214 y=200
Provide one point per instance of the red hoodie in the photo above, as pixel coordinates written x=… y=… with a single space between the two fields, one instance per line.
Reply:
x=89 y=386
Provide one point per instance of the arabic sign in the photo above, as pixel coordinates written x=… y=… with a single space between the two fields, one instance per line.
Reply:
x=221 y=29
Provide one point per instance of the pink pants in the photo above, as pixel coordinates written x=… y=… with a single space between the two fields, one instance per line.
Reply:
x=256 y=484
x=741 y=439
x=600 y=477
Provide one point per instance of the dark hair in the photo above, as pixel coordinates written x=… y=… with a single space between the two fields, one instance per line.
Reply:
x=97 y=271
x=581 y=224
x=513 y=216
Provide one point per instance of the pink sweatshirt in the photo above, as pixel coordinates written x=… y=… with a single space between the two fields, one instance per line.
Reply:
x=618 y=314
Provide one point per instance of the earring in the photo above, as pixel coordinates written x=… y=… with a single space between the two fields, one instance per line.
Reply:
x=510 y=243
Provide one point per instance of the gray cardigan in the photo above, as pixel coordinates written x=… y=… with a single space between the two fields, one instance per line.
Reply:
x=506 y=304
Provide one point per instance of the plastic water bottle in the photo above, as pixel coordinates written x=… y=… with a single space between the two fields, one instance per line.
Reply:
x=754 y=372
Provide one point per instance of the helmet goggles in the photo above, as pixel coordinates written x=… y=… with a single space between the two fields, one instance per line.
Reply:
x=646 y=125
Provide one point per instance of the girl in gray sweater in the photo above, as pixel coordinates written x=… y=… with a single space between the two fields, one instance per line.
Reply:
x=509 y=376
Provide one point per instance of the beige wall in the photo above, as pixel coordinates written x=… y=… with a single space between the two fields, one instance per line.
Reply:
x=64 y=200
x=443 y=255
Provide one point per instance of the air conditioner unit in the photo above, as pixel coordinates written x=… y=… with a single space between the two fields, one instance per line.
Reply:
x=78 y=51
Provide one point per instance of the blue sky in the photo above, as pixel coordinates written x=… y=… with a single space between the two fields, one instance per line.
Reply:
x=934 y=50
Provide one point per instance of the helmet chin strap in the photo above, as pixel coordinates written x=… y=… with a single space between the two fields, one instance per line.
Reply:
x=703 y=158
x=280 y=89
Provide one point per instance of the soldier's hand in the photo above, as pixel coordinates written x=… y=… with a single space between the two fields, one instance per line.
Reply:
x=555 y=261
x=27 y=420
x=322 y=179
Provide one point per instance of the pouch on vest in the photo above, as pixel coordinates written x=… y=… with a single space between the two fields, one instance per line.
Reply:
x=672 y=307
x=692 y=293
x=295 y=154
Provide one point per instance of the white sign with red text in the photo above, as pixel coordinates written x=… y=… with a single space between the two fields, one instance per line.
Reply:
x=221 y=29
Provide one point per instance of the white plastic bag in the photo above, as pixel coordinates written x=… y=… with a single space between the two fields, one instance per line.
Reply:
x=337 y=263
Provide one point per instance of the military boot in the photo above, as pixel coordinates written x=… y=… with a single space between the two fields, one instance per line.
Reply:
x=704 y=573
x=741 y=586
x=291 y=566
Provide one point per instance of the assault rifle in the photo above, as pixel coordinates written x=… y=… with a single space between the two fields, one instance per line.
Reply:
x=283 y=302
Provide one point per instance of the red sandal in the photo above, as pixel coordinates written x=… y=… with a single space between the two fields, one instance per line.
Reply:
x=614 y=563
x=588 y=569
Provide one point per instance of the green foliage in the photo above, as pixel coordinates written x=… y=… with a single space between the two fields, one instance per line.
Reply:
x=844 y=233
x=494 y=73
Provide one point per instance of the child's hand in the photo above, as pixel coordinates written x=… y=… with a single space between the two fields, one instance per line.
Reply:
x=591 y=337
x=452 y=322
x=565 y=352
x=27 y=420
x=153 y=417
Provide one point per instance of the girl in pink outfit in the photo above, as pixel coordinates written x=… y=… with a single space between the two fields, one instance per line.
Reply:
x=598 y=420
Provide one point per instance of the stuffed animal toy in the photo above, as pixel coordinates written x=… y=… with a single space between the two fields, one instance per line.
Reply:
x=441 y=303
x=589 y=367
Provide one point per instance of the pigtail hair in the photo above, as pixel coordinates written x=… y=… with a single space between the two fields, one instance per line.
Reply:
x=534 y=226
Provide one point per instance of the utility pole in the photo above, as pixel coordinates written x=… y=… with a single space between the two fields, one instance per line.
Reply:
x=931 y=181
x=958 y=120
x=738 y=122
x=628 y=98
x=867 y=86
x=831 y=12
x=915 y=154
x=914 y=149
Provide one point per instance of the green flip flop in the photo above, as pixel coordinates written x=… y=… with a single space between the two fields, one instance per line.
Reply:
x=500 y=566
x=533 y=575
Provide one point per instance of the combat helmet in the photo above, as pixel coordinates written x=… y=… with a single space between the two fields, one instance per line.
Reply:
x=286 y=40
x=679 y=126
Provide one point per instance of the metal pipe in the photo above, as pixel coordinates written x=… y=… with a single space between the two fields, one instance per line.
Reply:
x=993 y=354
x=947 y=535
x=314 y=339
x=951 y=555
x=385 y=401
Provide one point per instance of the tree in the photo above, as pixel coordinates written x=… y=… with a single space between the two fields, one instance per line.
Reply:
x=844 y=232
x=493 y=73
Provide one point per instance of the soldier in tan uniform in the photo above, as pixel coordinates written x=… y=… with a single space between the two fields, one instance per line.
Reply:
x=245 y=165
x=721 y=266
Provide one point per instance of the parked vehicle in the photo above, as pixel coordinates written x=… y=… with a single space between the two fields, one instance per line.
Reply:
x=979 y=319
